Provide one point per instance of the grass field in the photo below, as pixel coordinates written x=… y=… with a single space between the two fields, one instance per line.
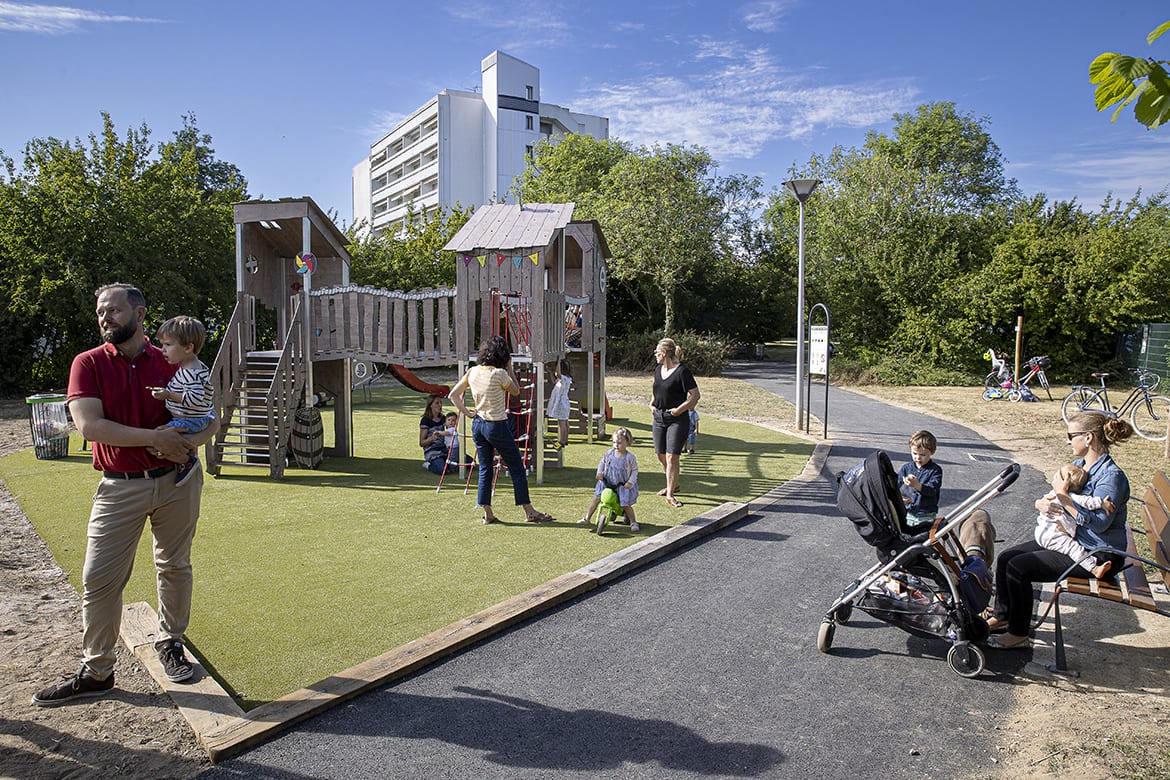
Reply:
x=299 y=578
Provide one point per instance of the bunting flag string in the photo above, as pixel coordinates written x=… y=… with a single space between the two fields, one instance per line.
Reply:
x=516 y=261
x=500 y=259
x=482 y=260
x=533 y=257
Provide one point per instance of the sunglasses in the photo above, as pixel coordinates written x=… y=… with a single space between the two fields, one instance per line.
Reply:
x=1073 y=434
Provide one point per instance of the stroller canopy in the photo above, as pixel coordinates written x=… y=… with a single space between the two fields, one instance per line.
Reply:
x=869 y=495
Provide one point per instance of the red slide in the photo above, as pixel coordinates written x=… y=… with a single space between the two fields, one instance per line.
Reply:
x=411 y=380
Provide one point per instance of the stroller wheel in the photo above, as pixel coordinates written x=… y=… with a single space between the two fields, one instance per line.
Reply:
x=966 y=660
x=842 y=614
x=825 y=636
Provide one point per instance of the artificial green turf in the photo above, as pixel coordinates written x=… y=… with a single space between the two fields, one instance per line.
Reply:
x=297 y=579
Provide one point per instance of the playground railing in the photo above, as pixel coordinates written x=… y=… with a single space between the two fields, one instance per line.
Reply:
x=287 y=390
x=228 y=370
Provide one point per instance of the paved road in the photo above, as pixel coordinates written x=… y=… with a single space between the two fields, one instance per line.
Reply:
x=703 y=664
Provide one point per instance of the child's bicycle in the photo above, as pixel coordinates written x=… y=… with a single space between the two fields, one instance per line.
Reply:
x=608 y=510
x=1001 y=383
x=1147 y=412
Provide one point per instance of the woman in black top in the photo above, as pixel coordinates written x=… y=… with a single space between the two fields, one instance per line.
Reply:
x=675 y=394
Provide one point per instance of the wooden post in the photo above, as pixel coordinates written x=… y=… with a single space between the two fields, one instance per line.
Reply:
x=1019 y=342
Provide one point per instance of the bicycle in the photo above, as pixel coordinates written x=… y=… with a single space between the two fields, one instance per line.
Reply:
x=1146 y=377
x=1001 y=383
x=1001 y=372
x=1148 y=412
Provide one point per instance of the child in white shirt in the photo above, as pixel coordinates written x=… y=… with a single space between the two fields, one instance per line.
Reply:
x=1055 y=531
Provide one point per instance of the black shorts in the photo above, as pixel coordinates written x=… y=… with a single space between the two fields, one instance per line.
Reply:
x=670 y=432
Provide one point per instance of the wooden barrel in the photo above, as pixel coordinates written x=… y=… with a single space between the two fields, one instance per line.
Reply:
x=308 y=438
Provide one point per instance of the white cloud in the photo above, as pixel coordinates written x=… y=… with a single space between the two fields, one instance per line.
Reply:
x=379 y=123
x=764 y=16
x=56 y=19
x=532 y=22
x=1091 y=171
x=736 y=101
x=626 y=27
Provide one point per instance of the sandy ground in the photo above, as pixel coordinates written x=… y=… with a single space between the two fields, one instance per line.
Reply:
x=1108 y=723
x=134 y=732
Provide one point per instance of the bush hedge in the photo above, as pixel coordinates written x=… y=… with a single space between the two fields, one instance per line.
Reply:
x=705 y=354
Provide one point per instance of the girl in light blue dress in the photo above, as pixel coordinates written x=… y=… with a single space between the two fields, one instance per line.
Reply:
x=618 y=470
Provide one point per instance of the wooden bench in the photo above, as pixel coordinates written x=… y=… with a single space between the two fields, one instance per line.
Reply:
x=1131 y=586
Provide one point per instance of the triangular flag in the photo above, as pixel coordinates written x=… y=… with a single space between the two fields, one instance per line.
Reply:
x=467 y=259
x=533 y=257
x=482 y=260
x=500 y=259
x=516 y=261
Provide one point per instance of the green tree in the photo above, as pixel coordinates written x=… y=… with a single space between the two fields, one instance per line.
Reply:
x=412 y=258
x=1122 y=80
x=896 y=225
x=1078 y=278
x=662 y=210
x=78 y=215
x=572 y=170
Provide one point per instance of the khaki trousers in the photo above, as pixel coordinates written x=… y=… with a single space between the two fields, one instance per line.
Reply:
x=978 y=532
x=120 y=509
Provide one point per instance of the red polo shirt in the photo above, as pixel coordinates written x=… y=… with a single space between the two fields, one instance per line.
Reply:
x=121 y=383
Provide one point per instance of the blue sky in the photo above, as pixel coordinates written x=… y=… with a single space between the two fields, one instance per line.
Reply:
x=295 y=92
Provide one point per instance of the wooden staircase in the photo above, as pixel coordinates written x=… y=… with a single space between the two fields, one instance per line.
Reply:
x=257 y=394
x=246 y=438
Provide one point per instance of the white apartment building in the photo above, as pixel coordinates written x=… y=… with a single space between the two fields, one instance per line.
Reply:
x=463 y=147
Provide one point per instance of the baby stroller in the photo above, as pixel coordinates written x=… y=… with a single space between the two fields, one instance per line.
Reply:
x=921 y=583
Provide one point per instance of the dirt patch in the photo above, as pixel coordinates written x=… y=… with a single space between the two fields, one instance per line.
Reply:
x=133 y=732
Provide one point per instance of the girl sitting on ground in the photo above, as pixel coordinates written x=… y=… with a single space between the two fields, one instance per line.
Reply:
x=618 y=471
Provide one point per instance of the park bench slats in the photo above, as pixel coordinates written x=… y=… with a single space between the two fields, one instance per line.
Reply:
x=1132 y=588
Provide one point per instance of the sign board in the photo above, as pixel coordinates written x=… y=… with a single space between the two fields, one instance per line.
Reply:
x=818 y=350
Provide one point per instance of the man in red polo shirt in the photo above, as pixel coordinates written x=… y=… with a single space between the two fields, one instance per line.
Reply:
x=113 y=408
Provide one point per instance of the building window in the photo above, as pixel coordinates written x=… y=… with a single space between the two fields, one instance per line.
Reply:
x=529 y=92
x=530 y=152
x=528 y=122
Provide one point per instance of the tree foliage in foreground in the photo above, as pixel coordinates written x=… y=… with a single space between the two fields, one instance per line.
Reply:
x=77 y=215
x=1122 y=80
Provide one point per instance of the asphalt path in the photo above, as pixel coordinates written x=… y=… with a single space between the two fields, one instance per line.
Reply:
x=704 y=663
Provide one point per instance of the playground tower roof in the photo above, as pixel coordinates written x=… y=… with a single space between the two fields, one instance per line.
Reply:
x=511 y=226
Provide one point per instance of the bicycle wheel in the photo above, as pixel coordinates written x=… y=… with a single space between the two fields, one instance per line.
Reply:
x=991 y=380
x=1015 y=396
x=1044 y=382
x=1081 y=399
x=1149 y=417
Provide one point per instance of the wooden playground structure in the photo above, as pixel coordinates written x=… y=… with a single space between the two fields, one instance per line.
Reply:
x=527 y=272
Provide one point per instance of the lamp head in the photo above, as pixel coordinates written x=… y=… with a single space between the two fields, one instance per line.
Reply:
x=802 y=188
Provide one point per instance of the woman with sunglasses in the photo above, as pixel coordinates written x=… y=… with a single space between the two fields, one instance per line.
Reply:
x=1090 y=435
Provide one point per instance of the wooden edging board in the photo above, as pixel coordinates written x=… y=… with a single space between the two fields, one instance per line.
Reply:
x=225 y=730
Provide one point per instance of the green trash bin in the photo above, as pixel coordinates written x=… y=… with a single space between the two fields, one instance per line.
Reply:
x=50 y=426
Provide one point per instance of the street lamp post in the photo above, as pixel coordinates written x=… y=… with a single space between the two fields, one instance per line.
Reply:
x=802 y=189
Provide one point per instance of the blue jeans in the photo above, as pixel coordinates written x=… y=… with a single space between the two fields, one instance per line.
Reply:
x=490 y=438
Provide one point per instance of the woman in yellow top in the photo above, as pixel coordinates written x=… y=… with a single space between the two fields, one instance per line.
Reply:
x=491 y=381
